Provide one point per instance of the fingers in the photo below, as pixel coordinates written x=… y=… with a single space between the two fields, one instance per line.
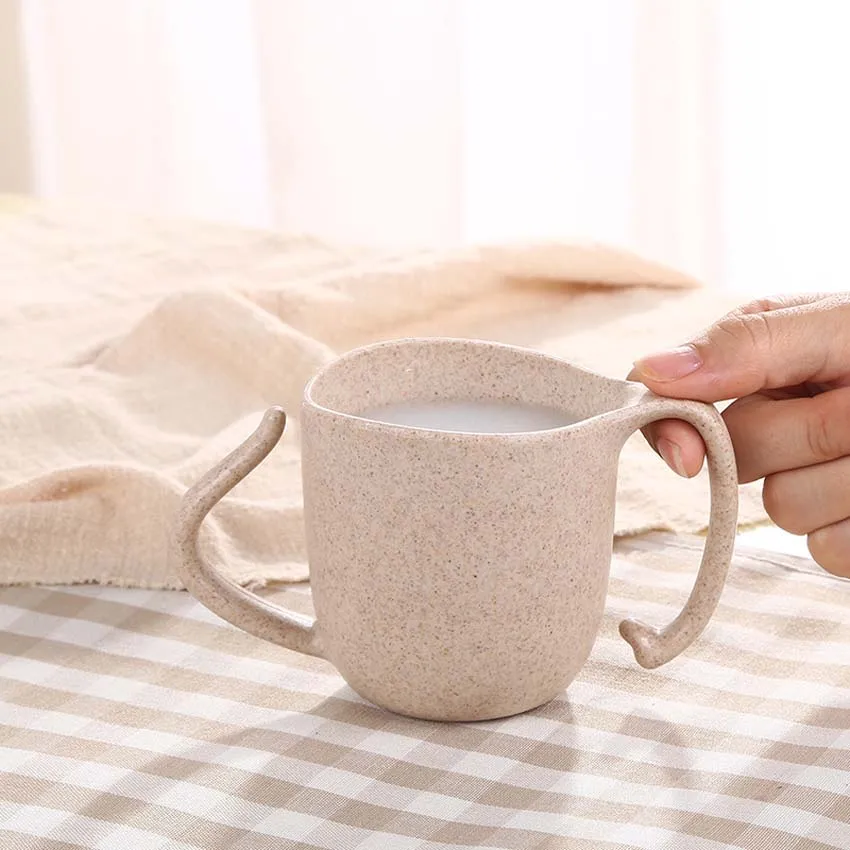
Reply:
x=830 y=547
x=751 y=350
x=804 y=500
x=780 y=302
x=815 y=501
x=787 y=361
x=678 y=443
x=772 y=435
x=769 y=435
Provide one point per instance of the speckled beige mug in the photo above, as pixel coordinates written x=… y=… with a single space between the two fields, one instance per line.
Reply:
x=461 y=575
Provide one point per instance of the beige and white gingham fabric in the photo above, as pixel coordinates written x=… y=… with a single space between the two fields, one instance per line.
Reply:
x=135 y=720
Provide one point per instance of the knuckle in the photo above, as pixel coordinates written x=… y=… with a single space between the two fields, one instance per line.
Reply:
x=835 y=301
x=820 y=434
x=753 y=330
x=763 y=305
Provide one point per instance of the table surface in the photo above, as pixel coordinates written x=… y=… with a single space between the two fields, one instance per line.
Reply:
x=137 y=720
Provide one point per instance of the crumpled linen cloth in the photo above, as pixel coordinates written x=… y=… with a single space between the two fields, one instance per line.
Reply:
x=135 y=353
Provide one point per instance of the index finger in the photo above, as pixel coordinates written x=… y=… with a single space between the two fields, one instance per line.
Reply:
x=678 y=443
x=746 y=352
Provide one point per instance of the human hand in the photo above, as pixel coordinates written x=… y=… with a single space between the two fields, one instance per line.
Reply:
x=787 y=362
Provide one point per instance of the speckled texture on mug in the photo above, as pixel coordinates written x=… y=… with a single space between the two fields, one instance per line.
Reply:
x=462 y=576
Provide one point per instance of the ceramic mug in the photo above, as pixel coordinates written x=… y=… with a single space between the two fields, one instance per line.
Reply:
x=461 y=574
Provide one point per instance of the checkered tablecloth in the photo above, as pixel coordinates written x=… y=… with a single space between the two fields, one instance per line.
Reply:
x=137 y=720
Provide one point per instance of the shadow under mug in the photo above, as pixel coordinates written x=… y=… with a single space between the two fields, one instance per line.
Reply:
x=460 y=575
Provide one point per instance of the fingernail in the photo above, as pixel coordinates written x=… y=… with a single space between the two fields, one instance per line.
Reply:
x=670 y=365
x=672 y=455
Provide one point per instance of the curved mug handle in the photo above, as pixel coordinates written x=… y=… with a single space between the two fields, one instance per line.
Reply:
x=652 y=646
x=207 y=583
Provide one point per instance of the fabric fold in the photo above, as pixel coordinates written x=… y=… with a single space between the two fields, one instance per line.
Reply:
x=135 y=353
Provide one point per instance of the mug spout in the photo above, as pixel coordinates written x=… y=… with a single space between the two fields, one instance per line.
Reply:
x=606 y=401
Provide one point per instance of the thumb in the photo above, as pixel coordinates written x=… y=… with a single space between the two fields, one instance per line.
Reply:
x=751 y=350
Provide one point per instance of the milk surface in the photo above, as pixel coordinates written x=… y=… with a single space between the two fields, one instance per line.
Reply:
x=482 y=417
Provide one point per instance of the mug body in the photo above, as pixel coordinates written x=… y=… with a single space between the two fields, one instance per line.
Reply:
x=456 y=574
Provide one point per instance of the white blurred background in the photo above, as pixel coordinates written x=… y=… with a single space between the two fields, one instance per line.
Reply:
x=709 y=134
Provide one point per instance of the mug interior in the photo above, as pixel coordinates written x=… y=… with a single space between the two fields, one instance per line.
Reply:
x=441 y=370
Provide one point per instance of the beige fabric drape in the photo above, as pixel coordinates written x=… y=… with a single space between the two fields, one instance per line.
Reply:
x=135 y=353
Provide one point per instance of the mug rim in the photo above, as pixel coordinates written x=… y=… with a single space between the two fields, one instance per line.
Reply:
x=368 y=423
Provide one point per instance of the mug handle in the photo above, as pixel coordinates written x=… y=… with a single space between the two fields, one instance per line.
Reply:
x=207 y=583
x=653 y=646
